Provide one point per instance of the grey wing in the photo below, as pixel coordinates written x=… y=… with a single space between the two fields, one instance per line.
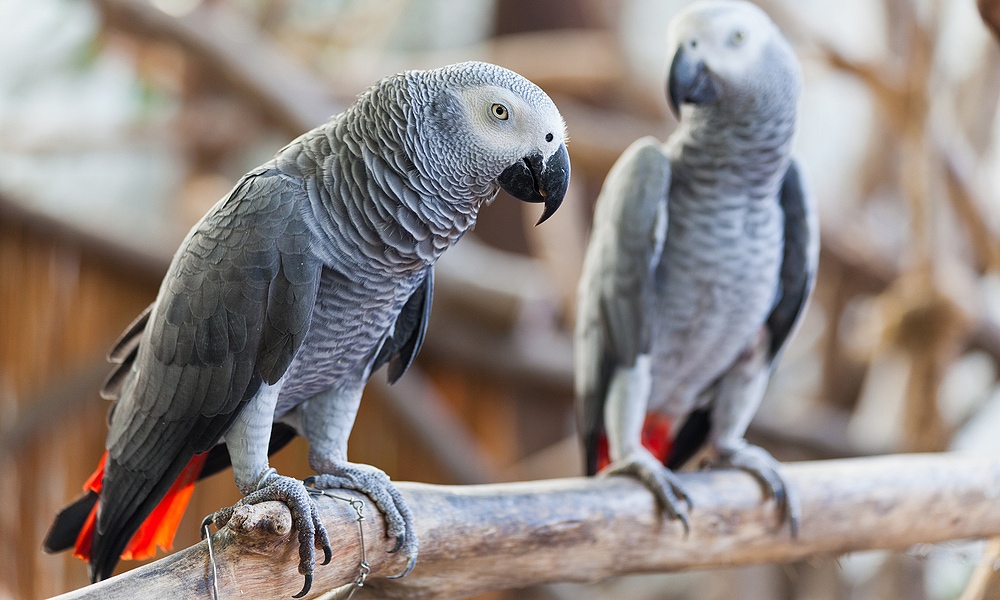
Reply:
x=399 y=349
x=122 y=355
x=612 y=301
x=801 y=258
x=231 y=313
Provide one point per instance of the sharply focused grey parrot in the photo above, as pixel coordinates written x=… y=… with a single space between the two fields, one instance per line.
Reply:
x=701 y=260
x=313 y=272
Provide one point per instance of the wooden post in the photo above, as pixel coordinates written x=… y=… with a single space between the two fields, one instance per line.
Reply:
x=479 y=538
x=990 y=11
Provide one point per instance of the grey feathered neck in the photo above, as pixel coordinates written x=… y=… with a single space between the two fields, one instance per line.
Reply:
x=749 y=134
x=414 y=213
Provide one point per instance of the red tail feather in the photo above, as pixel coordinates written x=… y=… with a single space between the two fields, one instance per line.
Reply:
x=655 y=437
x=159 y=527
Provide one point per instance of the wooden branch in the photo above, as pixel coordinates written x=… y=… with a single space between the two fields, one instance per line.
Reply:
x=479 y=538
x=990 y=11
x=241 y=54
x=960 y=161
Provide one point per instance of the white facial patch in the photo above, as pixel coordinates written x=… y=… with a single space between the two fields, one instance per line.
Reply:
x=524 y=129
x=728 y=36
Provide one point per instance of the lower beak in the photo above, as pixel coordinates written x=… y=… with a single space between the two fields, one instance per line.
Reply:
x=534 y=179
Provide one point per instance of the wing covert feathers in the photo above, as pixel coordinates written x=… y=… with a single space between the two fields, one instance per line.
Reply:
x=625 y=246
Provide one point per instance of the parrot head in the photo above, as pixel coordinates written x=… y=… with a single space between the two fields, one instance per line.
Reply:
x=729 y=52
x=499 y=130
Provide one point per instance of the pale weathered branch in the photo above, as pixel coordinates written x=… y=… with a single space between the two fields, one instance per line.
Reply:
x=237 y=51
x=479 y=538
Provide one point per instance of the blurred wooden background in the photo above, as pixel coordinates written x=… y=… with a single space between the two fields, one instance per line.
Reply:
x=122 y=121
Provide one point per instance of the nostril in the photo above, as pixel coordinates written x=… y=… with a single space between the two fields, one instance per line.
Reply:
x=548 y=137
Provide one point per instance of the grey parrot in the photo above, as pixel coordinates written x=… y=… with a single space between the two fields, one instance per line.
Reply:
x=313 y=272
x=701 y=260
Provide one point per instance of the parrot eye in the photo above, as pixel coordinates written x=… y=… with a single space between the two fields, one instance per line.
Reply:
x=499 y=111
x=738 y=37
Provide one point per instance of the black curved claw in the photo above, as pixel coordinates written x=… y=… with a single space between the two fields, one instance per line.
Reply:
x=661 y=481
x=684 y=522
x=376 y=485
x=787 y=510
x=683 y=496
x=305 y=588
x=767 y=471
x=311 y=532
x=406 y=571
x=671 y=509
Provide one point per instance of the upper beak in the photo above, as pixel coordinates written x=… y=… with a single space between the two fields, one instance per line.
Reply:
x=690 y=82
x=533 y=179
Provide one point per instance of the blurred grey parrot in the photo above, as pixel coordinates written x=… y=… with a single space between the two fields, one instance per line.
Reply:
x=701 y=260
x=312 y=273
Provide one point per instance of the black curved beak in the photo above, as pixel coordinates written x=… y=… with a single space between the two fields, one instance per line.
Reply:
x=690 y=82
x=533 y=179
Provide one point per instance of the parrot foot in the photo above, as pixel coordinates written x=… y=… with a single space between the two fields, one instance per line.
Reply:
x=305 y=519
x=660 y=480
x=767 y=470
x=375 y=484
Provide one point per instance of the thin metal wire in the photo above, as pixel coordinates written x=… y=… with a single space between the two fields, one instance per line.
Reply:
x=206 y=534
x=364 y=569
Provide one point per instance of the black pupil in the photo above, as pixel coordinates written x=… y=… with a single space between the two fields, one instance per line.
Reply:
x=500 y=110
x=548 y=137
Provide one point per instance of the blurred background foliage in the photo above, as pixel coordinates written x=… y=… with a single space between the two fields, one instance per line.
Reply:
x=122 y=121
